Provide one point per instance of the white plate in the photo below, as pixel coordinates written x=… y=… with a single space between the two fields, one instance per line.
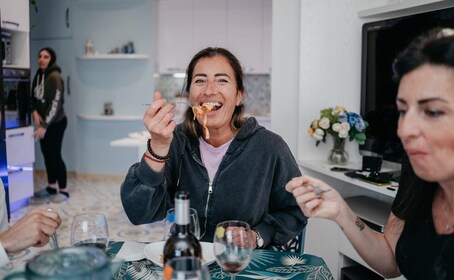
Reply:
x=153 y=252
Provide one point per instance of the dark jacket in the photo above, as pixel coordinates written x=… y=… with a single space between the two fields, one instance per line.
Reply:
x=47 y=95
x=249 y=185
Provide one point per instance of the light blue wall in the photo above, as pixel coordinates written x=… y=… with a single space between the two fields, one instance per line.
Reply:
x=126 y=83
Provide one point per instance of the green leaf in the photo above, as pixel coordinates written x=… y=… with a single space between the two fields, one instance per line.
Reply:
x=361 y=137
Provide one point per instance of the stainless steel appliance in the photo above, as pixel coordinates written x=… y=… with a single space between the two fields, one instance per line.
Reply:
x=17 y=97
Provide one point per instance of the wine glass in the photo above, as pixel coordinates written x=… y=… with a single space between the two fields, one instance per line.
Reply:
x=90 y=229
x=233 y=246
x=169 y=224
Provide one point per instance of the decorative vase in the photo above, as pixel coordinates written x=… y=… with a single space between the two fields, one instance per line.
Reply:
x=338 y=155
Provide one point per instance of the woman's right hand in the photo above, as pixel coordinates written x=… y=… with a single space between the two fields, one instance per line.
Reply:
x=328 y=204
x=158 y=120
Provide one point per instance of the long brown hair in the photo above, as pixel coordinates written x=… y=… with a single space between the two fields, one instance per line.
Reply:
x=193 y=128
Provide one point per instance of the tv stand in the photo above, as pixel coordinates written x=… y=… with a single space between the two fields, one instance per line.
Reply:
x=324 y=237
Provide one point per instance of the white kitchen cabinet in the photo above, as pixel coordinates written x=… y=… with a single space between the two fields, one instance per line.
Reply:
x=20 y=50
x=54 y=13
x=209 y=27
x=174 y=35
x=244 y=36
x=15 y=21
x=15 y=15
x=20 y=145
x=20 y=155
x=267 y=6
x=187 y=26
x=20 y=181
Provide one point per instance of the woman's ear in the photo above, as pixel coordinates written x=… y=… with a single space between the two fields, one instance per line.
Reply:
x=239 y=97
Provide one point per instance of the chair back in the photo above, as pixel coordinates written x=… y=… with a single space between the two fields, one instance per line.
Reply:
x=295 y=245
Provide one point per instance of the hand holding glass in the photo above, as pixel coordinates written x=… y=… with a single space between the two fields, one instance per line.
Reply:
x=233 y=246
x=169 y=224
x=90 y=229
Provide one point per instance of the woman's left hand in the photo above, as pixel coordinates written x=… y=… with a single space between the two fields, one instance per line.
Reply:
x=39 y=133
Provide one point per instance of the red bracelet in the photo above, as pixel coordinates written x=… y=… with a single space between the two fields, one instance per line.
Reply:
x=153 y=159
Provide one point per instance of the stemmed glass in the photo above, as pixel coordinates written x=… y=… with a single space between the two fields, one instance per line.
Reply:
x=233 y=246
x=169 y=224
x=90 y=229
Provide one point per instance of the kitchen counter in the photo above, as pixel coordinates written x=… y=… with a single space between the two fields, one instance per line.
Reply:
x=139 y=144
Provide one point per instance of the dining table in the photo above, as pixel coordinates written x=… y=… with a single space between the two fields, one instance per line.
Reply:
x=265 y=264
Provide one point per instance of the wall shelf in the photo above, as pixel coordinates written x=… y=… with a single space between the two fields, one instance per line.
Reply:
x=110 y=118
x=113 y=56
x=101 y=1
x=322 y=167
x=406 y=8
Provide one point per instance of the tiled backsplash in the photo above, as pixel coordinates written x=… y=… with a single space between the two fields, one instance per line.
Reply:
x=258 y=92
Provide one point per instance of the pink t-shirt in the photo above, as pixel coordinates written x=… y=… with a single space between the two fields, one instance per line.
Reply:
x=212 y=156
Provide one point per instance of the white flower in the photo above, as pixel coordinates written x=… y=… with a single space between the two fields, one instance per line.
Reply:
x=336 y=127
x=318 y=134
x=324 y=123
x=345 y=125
x=343 y=133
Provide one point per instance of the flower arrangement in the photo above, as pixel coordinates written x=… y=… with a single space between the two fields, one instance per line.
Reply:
x=340 y=124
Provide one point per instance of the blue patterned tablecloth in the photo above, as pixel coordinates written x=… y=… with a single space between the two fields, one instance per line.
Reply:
x=265 y=264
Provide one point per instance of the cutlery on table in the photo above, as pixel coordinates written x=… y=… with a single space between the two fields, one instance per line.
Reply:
x=53 y=238
x=318 y=192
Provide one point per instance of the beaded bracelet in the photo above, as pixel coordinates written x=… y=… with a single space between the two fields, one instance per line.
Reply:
x=153 y=159
x=158 y=157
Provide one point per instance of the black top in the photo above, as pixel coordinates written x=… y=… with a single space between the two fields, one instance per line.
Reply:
x=422 y=253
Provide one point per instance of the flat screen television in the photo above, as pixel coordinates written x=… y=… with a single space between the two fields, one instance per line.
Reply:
x=381 y=42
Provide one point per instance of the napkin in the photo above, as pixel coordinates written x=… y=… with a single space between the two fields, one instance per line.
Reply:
x=131 y=251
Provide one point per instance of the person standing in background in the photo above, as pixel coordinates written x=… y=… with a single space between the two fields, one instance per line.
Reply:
x=50 y=121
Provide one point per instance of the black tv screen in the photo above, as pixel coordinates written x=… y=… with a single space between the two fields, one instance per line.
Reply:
x=381 y=42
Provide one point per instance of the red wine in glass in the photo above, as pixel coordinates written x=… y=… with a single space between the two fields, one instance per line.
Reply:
x=99 y=245
x=233 y=246
x=233 y=267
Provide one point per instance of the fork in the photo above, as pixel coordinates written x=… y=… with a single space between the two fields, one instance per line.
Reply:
x=53 y=238
x=176 y=102
x=318 y=192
